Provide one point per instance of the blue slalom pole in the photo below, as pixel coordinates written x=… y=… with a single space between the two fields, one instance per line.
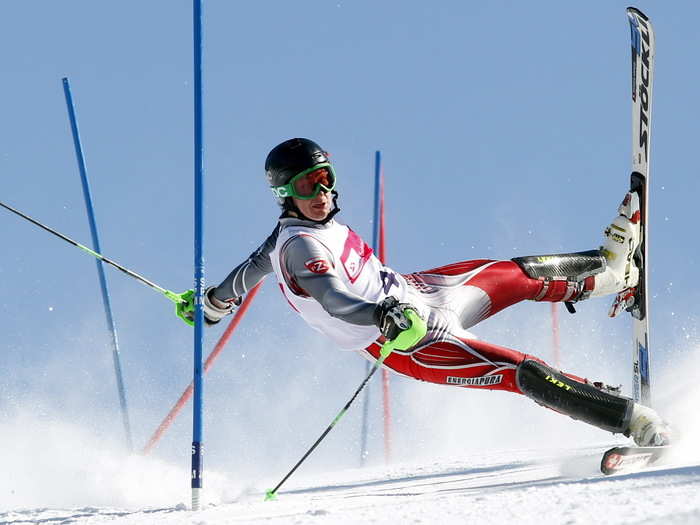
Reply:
x=377 y=185
x=375 y=246
x=100 y=268
x=197 y=431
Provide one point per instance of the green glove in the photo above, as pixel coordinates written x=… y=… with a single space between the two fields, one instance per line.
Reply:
x=407 y=338
x=212 y=313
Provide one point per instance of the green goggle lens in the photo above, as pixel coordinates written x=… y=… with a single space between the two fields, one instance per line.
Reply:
x=301 y=187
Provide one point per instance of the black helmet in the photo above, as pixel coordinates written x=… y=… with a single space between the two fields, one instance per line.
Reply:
x=291 y=158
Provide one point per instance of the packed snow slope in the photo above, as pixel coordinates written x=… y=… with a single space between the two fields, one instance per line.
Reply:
x=459 y=456
x=526 y=486
x=59 y=473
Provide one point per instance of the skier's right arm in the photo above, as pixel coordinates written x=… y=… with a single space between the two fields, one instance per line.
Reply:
x=247 y=274
x=222 y=300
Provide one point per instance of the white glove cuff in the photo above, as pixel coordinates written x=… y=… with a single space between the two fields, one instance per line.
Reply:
x=213 y=312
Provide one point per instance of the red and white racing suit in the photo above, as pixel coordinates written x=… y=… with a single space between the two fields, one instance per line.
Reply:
x=333 y=280
x=472 y=291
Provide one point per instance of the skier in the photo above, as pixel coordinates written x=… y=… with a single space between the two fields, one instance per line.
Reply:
x=331 y=278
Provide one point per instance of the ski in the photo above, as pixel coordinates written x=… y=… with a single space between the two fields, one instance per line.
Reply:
x=631 y=458
x=643 y=51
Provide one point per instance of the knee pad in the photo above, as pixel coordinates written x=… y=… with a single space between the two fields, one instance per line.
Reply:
x=577 y=400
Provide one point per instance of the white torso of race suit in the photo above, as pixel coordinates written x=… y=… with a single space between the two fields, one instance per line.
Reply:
x=355 y=265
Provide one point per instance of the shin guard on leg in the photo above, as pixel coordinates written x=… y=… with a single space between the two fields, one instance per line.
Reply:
x=581 y=401
x=566 y=276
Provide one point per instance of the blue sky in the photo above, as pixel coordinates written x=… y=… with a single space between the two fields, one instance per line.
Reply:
x=504 y=129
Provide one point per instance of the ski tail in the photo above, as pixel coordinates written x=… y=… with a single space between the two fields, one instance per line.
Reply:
x=629 y=459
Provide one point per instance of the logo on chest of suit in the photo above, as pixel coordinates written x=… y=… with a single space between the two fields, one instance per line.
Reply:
x=317 y=265
x=355 y=255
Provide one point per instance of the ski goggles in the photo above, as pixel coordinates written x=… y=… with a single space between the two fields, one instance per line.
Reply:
x=309 y=183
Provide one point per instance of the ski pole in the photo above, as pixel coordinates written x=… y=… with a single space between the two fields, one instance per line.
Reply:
x=403 y=341
x=177 y=298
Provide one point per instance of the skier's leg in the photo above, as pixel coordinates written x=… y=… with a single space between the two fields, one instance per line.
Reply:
x=576 y=399
x=599 y=272
x=567 y=277
x=479 y=289
x=583 y=401
x=449 y=360
x=478 y=364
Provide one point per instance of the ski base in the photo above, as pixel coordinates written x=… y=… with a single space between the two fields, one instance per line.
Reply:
x=632 y=458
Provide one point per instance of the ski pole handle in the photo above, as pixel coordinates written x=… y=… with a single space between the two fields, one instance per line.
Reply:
x=184 y=304
x=408 y=337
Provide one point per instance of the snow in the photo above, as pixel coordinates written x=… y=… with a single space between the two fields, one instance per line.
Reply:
x=515 y=486
x=61 y=471
x=467 y=456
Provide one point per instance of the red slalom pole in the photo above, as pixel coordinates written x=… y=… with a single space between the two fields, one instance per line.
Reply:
x=386 y=395
x=165 y=424
x=555 y=334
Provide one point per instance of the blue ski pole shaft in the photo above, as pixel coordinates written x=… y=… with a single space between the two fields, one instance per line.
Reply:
x=100 y=268
x=377 y=201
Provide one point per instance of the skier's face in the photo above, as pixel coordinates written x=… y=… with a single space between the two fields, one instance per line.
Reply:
x=317 y=208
